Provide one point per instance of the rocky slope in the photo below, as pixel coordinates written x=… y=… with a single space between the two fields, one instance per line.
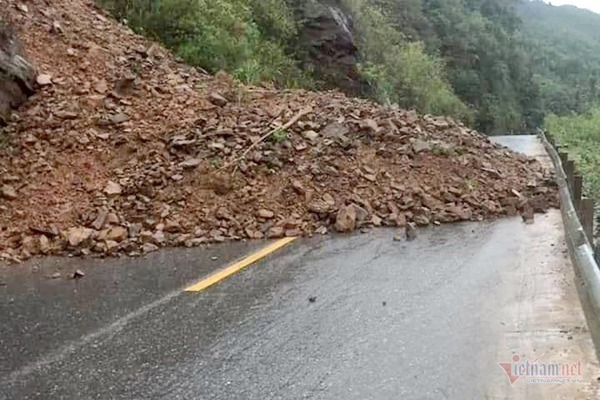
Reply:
x=125 y=150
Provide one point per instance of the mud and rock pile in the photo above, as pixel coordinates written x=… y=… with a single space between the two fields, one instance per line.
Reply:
x=124 y=150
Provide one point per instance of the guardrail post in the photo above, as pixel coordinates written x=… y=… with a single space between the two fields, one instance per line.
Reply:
x=564 y=156
x=570 y=172
x=577 y=192
x=587 y=218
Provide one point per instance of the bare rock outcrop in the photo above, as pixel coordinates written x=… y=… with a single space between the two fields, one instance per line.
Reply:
x=17 y=75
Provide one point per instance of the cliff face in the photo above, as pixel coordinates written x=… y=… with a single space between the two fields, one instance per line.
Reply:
x=328 y=42
x=17 y=76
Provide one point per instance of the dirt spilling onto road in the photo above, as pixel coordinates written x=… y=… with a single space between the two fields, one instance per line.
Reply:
x=125 y=150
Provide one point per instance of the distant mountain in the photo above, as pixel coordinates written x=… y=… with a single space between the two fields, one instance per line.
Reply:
x=564 y=42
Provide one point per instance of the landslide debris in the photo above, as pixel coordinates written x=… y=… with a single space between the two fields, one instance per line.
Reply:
x=125 y=150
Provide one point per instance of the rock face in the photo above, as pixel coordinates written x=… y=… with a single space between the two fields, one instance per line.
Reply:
x=17 y=76
x=329 y=44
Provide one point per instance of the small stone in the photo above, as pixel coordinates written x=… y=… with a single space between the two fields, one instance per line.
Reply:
x=310 y=135
x=254 y=234
x=411 y=231
x=135 y=229
x=266 y=214
x=301 y=146
x=329 y=199
x=78 y=235
x=275 y=232
x=319 y=207
x=30 y=244
x=111 y=246
x=8 y=192
x=159 y=237
x=370 y=178
x=149 y=248
x=420 y=146
x=293 y=233
x=117 y=233
x=216 y=146
x=44 y=79
x=172 y=226
x=67 y=114
x=528 y=215
x=422 y=220
x=298 y=187
x=361 y=214
x=346 y=219
x=376 y=221
x=113 y=189
x=55 y=275
x=44 y=244
x=370 y=124
x=217 y=99
x=98 y=223
x=322 y=230
x=77 y=274
x=119 y=118
x=112 y=219
x=312 y=299
x=191 y=163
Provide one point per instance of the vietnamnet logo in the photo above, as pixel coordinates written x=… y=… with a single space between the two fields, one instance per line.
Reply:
x=538 y=372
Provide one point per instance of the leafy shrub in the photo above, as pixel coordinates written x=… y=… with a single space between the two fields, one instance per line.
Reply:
x=401 y=71
x=581 y=135
x=229 y=35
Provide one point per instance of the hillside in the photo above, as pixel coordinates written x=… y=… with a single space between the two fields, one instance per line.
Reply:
x=500 y=66
x=125 y=149
x=565 y=45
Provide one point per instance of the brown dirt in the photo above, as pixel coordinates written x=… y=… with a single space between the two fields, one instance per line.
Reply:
x=168 y=137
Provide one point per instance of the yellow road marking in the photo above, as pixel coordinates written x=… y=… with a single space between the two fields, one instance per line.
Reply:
x=238 y=266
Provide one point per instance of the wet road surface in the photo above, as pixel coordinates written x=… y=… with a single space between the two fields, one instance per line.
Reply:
x=337 y=317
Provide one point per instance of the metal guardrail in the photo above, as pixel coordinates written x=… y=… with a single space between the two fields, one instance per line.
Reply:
x=578 y=219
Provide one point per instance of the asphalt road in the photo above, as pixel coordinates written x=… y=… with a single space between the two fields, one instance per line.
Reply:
x=337 y=317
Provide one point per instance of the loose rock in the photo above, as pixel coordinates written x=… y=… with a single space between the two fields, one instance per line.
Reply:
x=411 y=231
x=113 y=189
x=346 y=219
x=8 y=192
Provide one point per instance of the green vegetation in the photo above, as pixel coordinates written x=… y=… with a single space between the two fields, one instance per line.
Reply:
x=280 y=136
x=581 y=135
x=244 y=37
x=482 y=48
x=401 y=71
x=565 y=44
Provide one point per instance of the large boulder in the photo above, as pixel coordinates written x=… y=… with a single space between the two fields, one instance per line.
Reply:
x=17 y=76
x=329 y=45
